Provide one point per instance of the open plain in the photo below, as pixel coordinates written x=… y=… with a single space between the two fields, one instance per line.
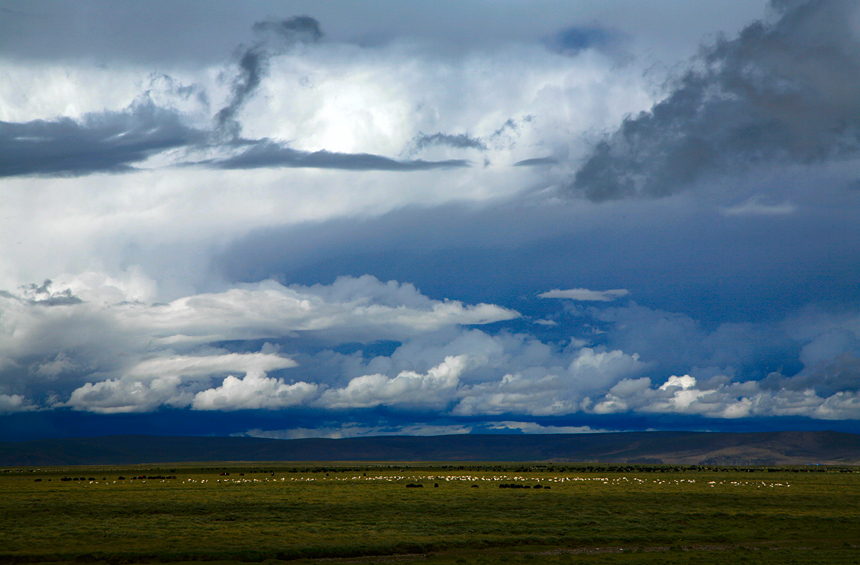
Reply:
x=460 y=513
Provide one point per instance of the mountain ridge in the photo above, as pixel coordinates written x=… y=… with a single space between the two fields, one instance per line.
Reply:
x=686 y=448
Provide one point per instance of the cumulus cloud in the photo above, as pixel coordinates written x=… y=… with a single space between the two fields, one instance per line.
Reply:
x=121 y=396
x=545 y=391
x=431 y=390
x=586 y=295
x=503 y=373
x=720 y=383
x=173 y=381
x=14 y=403
x=131 y=356
x=728 y=400
x=254 y=391
x=783 y=91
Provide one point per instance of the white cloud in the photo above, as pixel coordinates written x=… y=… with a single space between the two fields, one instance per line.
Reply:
x=32 y=91
x=130 y=285
x=118 y=396
x=167 y=381
x=370 y=310
x=254 y=391
x=597 y=369
x=505 y=373
x=408 y=388
x=542 y=391
x=345 y=98
x=684 y=395
x=518 y=394
x=134 y=356
x=269 y=309
x=586 y=295
x=188 y=366
x=14 y=403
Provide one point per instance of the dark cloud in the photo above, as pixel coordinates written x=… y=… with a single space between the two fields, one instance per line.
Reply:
x=842 y=374
x=252 y=67
x=502 y=138
x=43 y=295
x=781 y=92
x=275 y=37
x=832 y=364
x=270 y=154
x=107 y=141
x=509 y=129
x=113 y=141
x=536 y=162
x=297 y=28
x=458 y=141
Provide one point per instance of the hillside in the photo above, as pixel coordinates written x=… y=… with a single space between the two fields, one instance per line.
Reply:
x=766 y=448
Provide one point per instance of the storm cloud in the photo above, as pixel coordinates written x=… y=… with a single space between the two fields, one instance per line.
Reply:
x=785 y=91
x=109 y=141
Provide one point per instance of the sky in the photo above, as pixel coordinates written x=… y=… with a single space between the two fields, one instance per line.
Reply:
x=335 y=219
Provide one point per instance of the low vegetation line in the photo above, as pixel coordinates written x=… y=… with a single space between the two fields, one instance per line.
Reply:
x=305 y=512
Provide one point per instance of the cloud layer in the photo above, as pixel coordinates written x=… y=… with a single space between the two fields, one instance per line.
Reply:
x=347 y=222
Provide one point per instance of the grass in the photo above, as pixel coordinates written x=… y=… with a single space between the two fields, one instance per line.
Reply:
x=366 y=514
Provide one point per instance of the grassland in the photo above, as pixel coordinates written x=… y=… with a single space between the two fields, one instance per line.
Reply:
x=367 y=514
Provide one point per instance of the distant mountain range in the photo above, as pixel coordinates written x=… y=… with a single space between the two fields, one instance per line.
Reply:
x=688 y=448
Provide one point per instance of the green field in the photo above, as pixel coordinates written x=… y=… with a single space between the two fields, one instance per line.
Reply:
x=364 y=513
